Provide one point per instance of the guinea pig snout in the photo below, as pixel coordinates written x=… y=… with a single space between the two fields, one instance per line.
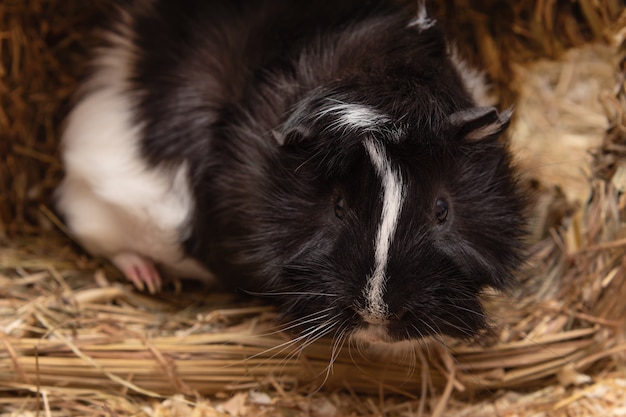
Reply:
x=374 y=319
x=377 y=330
x=384 y=326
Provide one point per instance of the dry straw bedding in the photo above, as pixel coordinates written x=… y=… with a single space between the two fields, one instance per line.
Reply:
x=75 y=340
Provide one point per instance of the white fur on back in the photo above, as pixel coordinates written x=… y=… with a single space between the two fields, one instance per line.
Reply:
x=473 y=79
x=112 y=200
x=422 y=21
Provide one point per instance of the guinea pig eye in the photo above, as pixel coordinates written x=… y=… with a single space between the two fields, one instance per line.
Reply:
x=441 y=211
x=340 y=207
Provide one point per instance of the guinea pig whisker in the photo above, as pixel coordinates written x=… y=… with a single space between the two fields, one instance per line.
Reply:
x=413 y=358
x=338 y=342
x=312 y=336
x=321 y=319
x=322 y=330
x=469 y=310
x=316 y=332
x=417 y=329
x=420 y=340
x=283 y=327
x=435 y=337
x=281 y=348
x=300 y=343
x=422 y=321
x=434 y=328
x=359 y=345
x=453 y=305
x=291 y=342
x=462 y=330
x=353 y=342
x=405 y=354
x=337 y=347
x=305 y=320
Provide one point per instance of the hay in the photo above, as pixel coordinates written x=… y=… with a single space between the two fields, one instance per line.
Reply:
x=75 y=341
x=42 y=51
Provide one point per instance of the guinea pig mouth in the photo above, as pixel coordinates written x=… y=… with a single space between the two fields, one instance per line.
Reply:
x=373 y=333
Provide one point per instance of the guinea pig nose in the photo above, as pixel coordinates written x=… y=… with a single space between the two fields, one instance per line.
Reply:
x=373 y=318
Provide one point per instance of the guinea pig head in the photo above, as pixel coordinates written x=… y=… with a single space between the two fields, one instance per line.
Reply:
x=398 y=227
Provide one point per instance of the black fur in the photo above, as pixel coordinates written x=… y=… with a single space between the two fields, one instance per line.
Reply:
x=239 y=90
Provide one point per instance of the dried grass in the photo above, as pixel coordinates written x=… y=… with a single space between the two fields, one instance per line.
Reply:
x=42 y=51
x=75 y=342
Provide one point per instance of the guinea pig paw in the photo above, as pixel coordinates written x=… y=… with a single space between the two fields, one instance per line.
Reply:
x=139 y=270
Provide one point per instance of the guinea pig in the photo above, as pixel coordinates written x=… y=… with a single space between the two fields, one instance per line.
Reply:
x=335 y=157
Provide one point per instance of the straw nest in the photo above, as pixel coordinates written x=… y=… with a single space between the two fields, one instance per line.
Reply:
x=75 y=340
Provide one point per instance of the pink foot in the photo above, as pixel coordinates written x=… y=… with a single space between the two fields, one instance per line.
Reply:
x=139 y=270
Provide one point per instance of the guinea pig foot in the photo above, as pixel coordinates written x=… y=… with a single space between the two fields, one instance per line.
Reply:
x=139 y=270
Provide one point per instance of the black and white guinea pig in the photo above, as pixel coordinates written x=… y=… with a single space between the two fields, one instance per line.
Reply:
x=334 y=156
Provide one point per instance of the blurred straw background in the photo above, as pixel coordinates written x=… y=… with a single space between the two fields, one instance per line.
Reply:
x=75 y=340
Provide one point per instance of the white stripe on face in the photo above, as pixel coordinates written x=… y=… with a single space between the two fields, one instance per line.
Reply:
x=393 y=195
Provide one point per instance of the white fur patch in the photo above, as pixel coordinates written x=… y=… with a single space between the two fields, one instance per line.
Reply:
x=473 y=79
x=422 y=21
x=352 y=116
x=112 y=200
x=344 y=118
x=393 y=195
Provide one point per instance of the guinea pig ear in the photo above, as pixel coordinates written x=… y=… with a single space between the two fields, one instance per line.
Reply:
x=477 y=124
